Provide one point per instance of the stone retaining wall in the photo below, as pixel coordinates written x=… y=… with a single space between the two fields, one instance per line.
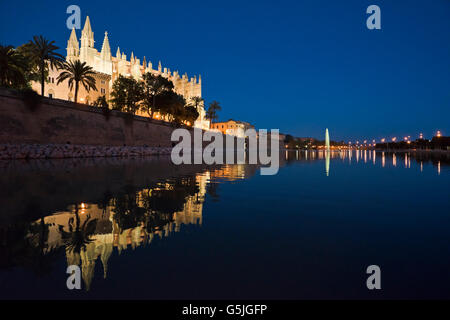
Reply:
x=59 y=151
x=62 y=122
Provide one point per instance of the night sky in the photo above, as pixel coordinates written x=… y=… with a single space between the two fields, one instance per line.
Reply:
x=299 y=66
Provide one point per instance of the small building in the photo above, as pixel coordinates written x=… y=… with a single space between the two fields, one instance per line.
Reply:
x=232 y=127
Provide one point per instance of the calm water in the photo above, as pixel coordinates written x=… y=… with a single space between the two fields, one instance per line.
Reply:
x=144 y=228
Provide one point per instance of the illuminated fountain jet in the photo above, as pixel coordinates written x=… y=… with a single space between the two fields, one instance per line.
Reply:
x=327 y=140
x=327 y=152
x=327 y=163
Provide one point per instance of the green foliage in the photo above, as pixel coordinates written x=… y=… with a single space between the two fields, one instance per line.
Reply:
x=127 y=94
x=153 y=86
x=13 y=67
x=42 y=55
x=77 y=72
x=172 y=105
x=213 y=108
x=101 y=102
x=191 y=114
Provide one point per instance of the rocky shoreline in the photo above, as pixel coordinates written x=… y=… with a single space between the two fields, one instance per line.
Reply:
x=61 y=151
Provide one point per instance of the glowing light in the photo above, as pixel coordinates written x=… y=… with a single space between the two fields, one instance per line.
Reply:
x=438 y=134
x=394 y=139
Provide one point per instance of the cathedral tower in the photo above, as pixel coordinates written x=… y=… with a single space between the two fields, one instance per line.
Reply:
x=87 y=50
x=73 y=47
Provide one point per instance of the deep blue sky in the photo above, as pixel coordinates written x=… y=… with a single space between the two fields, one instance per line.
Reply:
x=299 y=66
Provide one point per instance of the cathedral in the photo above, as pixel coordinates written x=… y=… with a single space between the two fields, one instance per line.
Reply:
x=108 y=68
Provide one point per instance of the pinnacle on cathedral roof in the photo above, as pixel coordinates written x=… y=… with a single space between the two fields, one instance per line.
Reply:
x=106 y=50
x=73 y=36
x=118 y=55
x=73 y=41
x=87 y=36
x=87 y=26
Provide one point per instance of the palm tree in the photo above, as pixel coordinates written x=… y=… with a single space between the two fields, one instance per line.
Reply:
x=196 y=101
x=213 y=107
x=12 y=67
x=41 y=53
x=78 y=72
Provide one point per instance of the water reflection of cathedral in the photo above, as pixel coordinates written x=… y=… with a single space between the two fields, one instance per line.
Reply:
x=125 y=224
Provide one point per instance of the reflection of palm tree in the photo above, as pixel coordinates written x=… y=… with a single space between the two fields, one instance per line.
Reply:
x=79 y=235
x=127 y=212
x=37 y=254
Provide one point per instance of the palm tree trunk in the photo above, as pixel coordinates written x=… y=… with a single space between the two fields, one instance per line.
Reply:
x=153 y=107
x=76 y=91
x=42 y=77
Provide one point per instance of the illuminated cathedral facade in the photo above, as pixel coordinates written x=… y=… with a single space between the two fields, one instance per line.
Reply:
x=108 y=68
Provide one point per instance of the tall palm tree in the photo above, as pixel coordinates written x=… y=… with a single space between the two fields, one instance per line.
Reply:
x=196 y=101
x=213 y=107
x=41 y=53
x=12 y=67
x=76 y=72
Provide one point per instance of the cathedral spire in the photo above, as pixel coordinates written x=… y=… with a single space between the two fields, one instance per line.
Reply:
x=87 y=36
x=106 y=50
x=159 y=66
x=73 y=47
x=132 y=57
x=118 y=55
x=144 y=63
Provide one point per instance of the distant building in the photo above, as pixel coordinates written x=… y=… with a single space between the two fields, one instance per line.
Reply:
x=232 y=127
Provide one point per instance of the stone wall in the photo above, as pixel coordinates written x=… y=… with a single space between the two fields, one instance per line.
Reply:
x=60 y=122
